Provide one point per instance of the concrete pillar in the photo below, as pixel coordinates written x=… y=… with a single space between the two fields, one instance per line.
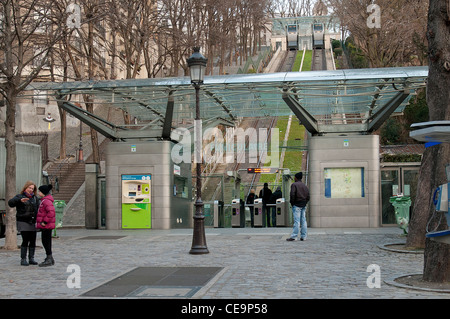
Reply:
x=352 y=152
x=91 y=196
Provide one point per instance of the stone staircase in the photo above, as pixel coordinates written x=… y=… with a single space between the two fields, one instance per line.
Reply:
x=70 y=177
x=70 y=174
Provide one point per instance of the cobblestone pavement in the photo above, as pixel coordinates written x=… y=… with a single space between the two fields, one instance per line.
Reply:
x=257 y=263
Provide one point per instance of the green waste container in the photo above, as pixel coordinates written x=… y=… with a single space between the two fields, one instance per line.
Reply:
x=401 y=205
x=60 y=205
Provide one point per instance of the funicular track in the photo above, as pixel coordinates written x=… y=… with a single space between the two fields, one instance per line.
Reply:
x=288 y=61
x=213 y=188
x=250 y=181
x=318 y=60
x=241 y=162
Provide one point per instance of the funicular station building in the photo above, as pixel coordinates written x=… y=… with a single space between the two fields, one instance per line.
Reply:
x=148 y=184
x=300 y=30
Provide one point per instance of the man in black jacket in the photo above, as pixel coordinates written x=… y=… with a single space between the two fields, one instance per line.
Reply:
x=265 y=194
x=299 y=197
x=251 y=201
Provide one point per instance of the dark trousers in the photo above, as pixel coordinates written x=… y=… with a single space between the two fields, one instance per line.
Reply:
x=28 y=239
x=46 y=235
x=267 y=210
x=274 y=216
x=252 y=217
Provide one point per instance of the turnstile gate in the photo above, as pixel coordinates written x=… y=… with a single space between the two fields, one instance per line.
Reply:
x=237 y=213
x=260 y=214
x=281 y=212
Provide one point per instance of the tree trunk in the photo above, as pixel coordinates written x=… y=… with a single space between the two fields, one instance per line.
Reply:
x=423 y=203
x=94 y=137
x=88 y=99
x=18 y=26
x=437 y=255
x=436 y=266
x=10 y=170
x=62 y=143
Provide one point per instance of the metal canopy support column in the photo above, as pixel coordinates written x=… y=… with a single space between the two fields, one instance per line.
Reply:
x=89 y=119
x=104 y=127
x=308 y=121
x=375 y=98
x=167 y=127
x=376 y=120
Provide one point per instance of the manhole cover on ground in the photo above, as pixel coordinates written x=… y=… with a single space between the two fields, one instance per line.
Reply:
x=148 y=282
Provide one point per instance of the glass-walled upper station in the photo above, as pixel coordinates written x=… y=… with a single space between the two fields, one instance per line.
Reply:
x=304 y=24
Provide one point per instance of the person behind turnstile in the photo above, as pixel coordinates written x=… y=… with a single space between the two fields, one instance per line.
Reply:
x=250 y=202
x=265 y=194
x=237 y=213
x=273 y=199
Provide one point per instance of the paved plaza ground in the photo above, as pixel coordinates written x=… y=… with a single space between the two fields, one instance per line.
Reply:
x=247 y=263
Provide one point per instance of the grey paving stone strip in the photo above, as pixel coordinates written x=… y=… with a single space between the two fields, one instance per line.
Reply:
x=256 y=263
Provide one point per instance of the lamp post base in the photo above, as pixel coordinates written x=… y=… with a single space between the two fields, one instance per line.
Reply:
x=199 y=239
x=80 y=156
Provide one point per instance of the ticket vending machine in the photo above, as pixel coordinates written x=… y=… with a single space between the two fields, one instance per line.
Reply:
x=136 y=201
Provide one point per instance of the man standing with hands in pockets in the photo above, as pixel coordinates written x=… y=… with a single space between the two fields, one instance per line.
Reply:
x=299 y=197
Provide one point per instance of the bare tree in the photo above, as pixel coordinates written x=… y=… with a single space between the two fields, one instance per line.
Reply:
x=156 y=45
x=390 y=44
x=59 y=62
x=221 y=28
x=432 y=171
x=245 y=27
x=132 y=22
x=29 y=32
x=221 y=21
x=180 y=29
x=83 y=46
x=290 y=8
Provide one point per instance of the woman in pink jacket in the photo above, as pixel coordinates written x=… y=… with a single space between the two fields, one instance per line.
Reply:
x=45 y=220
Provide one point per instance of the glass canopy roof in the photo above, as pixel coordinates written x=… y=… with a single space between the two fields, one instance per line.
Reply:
x=330 y=97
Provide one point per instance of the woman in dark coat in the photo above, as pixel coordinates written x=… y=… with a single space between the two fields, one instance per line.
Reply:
x=26 y=204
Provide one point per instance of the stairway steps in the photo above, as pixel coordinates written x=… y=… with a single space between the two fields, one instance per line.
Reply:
x=70 y=178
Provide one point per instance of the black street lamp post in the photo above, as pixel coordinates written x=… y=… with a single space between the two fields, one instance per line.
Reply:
x=197 y=65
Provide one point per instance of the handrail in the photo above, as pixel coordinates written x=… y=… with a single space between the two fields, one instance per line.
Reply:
x=54 y=176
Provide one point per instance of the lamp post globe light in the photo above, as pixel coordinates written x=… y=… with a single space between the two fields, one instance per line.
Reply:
x=197 y=64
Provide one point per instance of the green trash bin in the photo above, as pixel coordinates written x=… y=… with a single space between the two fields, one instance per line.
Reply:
x=401 y=205
x=60 y=205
